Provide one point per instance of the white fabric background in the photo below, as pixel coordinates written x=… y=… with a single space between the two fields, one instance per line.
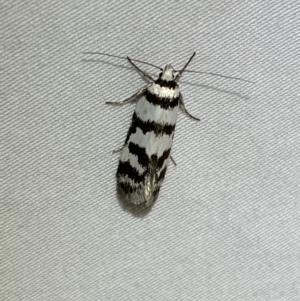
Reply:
x=226 y=225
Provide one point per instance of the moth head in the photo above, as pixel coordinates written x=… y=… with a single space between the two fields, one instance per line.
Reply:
x=168 y=73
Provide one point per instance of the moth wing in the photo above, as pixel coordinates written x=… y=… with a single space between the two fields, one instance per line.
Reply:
x=150 y=183
x=153 y=181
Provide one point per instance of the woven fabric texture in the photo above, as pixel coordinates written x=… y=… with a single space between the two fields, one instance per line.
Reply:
x=226 y=225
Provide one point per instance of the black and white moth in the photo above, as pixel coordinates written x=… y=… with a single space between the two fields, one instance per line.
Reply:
x=146 y=151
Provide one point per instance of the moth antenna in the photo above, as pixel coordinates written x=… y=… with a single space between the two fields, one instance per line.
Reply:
x=220 y=75
x=183 y=69
x=121 y=57
x=179 y=71
x=208 y=73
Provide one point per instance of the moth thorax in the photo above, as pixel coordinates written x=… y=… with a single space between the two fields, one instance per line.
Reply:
x=168 y=73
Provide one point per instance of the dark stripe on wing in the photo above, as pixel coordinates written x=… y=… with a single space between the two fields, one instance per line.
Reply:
x=157 y=128
x=159 y=180
x=164 y=102
x=163 y=158
x=149 y=126
x=168 y=84
x=126 y=188
x=162 y=174
x=140 y=152
x=126 y=169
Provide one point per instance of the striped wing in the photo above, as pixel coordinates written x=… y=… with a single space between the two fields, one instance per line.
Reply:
x=146 y=152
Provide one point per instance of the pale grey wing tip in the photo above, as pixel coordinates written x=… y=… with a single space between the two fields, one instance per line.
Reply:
x=150 y=201
x=137 y=199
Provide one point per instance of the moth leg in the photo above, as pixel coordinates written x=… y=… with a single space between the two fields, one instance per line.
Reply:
x=117 y=150
x=146 y=75
x=173 y=160
x=181 y=103
x=134 y=97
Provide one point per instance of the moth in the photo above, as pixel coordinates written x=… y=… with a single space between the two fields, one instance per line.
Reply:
x=146 y=152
